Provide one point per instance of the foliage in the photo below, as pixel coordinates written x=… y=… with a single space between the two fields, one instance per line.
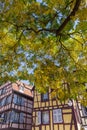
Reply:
x=45 y=42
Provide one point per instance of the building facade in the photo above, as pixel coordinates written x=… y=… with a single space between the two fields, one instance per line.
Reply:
x=82 y=115
x=22 y=108
x=16 y=103
x=51 y=114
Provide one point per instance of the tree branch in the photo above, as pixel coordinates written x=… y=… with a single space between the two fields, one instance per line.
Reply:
x=69 y=17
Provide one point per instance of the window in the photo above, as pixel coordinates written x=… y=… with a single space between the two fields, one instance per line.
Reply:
x=3 y=90
x=8 y=117
x=8 y=100
x=57 y=116
x=18 y=100
x=38 y=118
x=3 y=101
x=45 y=97
x=1 y=119
x=21 y=118
x=17 y=117
x=21 y=89
x=84 y=111
x=5 y=117
x=45 y=117
x=14 y=117
x=0 y=91
x=42 y=117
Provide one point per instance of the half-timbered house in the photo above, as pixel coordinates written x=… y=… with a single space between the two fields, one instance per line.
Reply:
x=22 y=108
x=82 y=115
x=16 y=103
x=51 y=114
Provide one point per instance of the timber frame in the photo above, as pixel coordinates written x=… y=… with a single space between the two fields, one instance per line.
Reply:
x=16 y=106
x=67 y=121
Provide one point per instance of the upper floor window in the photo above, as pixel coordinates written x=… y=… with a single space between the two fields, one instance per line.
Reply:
x=12 y=116
x=17 y=117
x=84 y=110
x=21 y=120
x=1 y=118
x=38 y=118
x=5 y=100
x=42 y=117
x=3 y=91
x=21 y=88
x=8 y=100
x=5 y=117
x=0 y=91
x=45 y=117
x=18 y=100
x=57 y=116
x=45 y=97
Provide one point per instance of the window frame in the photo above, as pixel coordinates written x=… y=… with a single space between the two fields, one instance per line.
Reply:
x=44 y=123
x=38 y=118
x=57 y=114
x=21 y=88
x=42 y=97
x=2 y=91
x=18 y=100
x=84 y=111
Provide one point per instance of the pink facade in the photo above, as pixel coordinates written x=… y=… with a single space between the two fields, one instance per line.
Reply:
x=16 y=103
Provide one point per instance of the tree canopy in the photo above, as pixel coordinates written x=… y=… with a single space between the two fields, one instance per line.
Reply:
x=45 y=42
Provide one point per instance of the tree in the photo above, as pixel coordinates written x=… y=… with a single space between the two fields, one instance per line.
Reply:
x=44 y=41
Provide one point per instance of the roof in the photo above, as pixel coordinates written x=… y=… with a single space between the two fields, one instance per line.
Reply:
x=20 y=88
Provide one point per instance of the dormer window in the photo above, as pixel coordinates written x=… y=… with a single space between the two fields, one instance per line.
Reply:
x=21 y=88
x=45 y=97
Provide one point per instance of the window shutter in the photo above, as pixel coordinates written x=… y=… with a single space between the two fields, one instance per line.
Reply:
x=38 y=118
x=57 y=116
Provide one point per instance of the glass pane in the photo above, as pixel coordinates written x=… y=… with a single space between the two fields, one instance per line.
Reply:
x=3 y=101
x=15 y=99
x=84 y=110
x=8 y=99
x=0 y=91
x=21 y=88
x=21 y=117
x=45 y=97
x=16 y=119
x=8 y=117
x=57 y=116
x=19 y=99
x=3 y=91
x=12 y=116
x=38 y=118
x=45 y=117
x=23 y=101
